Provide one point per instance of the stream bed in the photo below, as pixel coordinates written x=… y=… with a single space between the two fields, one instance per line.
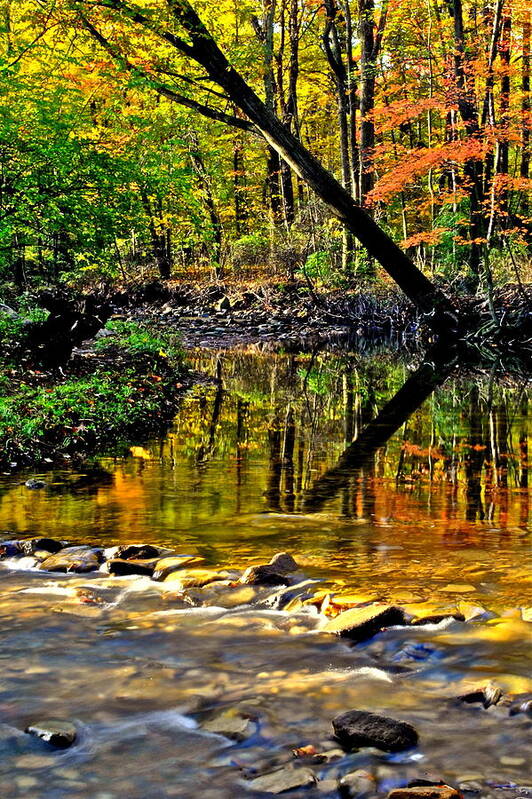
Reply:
x=178 y=692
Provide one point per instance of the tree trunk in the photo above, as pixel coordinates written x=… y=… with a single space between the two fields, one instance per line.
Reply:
x=334 y=50
x=201 y=48
x=504 y=147
x=468 y=112
x=524 y=170
x=208 y=199
x=158 y=240
x=367 y=96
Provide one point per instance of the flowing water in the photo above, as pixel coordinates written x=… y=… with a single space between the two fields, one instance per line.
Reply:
x=436 y=519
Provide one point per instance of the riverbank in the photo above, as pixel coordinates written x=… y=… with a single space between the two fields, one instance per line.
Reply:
x=122 y=387
x=124 y=384
x=298 y=317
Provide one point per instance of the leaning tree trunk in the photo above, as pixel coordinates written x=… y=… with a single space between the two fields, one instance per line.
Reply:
x=201 y=48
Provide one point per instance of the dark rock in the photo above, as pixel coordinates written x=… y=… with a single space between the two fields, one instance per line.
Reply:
x=425 y=792
x=121 y=567
x=224 y=304
x=263 y=575
x=436 y=618
x=31 y=545
x=359 y=624
x=56 y=732
x=272 y=573
x=487 y=696
x=73 y=559
x=358 y=728
x=138 y=551
x=35 y=484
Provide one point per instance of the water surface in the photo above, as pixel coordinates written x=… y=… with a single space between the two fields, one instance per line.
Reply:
x=258 y=461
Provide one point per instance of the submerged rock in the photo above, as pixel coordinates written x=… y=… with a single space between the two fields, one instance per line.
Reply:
x=272 y=573
x=359 y=624
x=286 y=597
x=285 y=779
x=58 y=733
x=357 y=728
x=232 y=724
x=166 y=566
x=436 y=618
x=73 y=559
x=35 y=484
x=521 y=703
x=10 y=549
x=356 y=784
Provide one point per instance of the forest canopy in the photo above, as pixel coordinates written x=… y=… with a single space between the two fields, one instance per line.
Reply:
x=120 y=151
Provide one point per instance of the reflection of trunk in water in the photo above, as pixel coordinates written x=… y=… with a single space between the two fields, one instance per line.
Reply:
x=242 y=413
x=413 y=393
x=523 y=465
x=275 y=469
x=474 y=459
x=288 y=460
x=205 y=450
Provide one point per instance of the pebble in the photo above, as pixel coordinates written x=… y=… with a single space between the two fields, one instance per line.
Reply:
x=285 y=779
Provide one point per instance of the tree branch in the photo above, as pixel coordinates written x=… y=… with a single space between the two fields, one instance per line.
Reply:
x=165 y=91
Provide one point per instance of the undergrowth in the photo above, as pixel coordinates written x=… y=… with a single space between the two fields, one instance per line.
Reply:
x=128 y=388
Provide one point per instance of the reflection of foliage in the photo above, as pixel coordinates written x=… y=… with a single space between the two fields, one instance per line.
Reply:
x=317 y=380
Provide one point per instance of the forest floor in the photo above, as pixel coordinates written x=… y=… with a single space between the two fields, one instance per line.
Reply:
x=293 y=317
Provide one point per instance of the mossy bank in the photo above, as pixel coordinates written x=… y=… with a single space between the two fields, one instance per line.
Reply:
x=114 y=390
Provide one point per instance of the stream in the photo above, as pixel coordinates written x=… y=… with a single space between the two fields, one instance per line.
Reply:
x=171 y=699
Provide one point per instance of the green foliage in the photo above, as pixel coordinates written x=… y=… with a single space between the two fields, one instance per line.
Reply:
x=131 y=389
x=140 y=340
x=250 y=250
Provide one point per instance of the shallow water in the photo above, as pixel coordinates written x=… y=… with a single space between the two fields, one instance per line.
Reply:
x=437 y=519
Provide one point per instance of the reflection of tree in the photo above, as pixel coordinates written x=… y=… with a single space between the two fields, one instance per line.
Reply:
x=408 y=399
x=474 y=459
